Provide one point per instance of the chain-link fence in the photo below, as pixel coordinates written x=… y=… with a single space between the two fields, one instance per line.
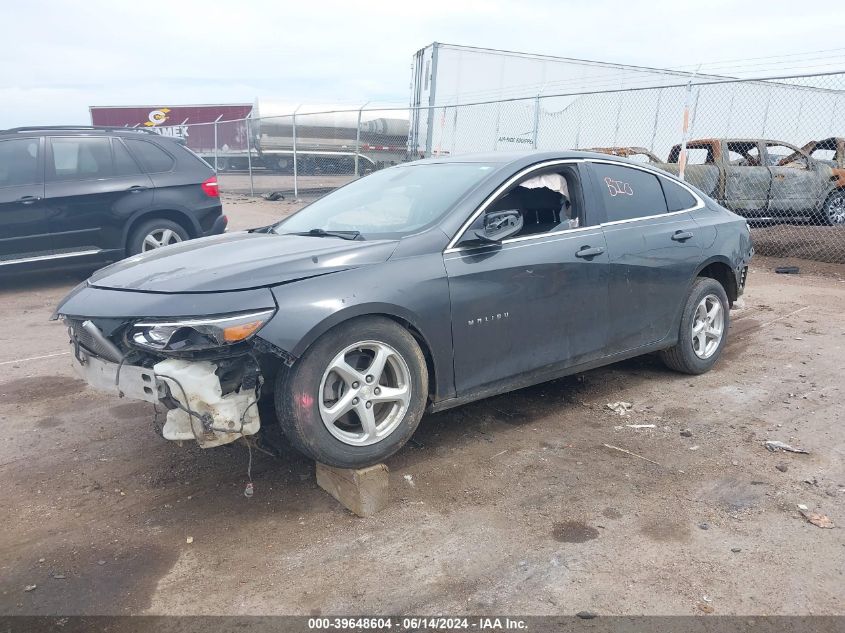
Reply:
x=767 y=149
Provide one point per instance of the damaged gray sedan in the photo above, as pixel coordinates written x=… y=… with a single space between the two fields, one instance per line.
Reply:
x=420 y=287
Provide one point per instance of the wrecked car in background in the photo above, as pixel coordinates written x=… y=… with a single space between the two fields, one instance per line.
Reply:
x=765 y=181
x=420 y=287
x=636 y=154
x=830 y=151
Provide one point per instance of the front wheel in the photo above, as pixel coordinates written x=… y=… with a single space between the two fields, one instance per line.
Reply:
x=356 y=396
x=703 y=330
x=833 y=211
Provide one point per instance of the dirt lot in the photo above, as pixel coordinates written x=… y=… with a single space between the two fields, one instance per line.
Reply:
x=512 y=504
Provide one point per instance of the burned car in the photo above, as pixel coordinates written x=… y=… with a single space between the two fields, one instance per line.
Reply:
x=420 y=287
x=766 y=181
x=636 y=154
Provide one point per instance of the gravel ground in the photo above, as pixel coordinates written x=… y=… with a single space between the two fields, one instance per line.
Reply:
x=514 y=504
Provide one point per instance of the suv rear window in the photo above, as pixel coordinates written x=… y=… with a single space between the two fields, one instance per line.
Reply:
x=19 y=162
x=152 y=157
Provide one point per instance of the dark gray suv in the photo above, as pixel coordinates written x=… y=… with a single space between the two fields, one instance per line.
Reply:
x=85 y=196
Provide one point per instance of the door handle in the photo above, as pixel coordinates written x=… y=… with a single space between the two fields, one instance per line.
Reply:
x=588 y=252
x=681 y=236
x=28 y=199
x=137 y=188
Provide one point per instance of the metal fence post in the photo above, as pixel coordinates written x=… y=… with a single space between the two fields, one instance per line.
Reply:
x=249 y=156
x=215 y=142
x=656 y=117
x=295 y=166
x=358 y=138
x=536 y=119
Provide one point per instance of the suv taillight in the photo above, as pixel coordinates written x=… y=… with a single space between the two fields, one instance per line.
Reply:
x=210 y=187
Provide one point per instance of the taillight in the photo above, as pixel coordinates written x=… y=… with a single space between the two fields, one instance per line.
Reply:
x=210 y=187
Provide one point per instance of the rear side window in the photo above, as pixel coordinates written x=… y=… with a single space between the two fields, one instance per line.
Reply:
x=677 y=198
x=629 y=193
x=80 y=158
x=152 y=157
x=124 y=164
x=19 y=162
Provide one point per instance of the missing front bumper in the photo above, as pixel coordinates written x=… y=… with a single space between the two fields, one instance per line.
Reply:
x=198 y=409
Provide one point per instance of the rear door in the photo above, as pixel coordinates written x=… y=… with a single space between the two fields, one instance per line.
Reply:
x=93 y=187
x=23 y=214
x=652 y=252
x=747 y=178
x=535 y=302
x=798 y=185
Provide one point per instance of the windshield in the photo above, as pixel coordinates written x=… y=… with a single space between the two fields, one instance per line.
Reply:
x=389 y=203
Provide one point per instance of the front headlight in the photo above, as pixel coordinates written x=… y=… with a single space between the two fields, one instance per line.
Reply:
x=185 y=335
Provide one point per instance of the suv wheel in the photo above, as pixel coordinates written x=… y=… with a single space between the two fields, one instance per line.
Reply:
x=703 y=330
x=156 y=234
x=356 y=396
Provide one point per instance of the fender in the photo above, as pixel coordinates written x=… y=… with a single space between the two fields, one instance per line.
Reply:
x=156 y=211
x=413 y=290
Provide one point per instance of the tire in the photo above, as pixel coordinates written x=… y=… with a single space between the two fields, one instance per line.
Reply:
x=155 y=229
x=832 y=212
x=312 y=392
x=688 y=355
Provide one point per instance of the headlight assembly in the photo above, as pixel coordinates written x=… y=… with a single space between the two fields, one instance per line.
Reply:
x=186 y=335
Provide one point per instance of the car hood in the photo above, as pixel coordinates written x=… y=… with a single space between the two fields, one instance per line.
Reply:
x=239 y=261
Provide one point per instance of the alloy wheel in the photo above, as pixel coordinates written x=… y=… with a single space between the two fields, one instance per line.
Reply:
x=364 y=393
x=159 y=238
x=836 y=210
x=708 y=326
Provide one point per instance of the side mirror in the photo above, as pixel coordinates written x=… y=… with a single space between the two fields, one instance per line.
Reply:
x=500 y=225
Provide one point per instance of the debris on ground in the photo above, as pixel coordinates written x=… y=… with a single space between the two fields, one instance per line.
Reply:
x=586 y=615
x=622 y=450
x=620 y=407
x=59 y=576
x=704 y=526
x=641 y=426
x=782 y=467
x=802 y=507
x=774 y=446
x=30 y=588
x=686 y=433
x=736 y=550
x=817 y=519
x=705 y=608
x=410 y=480
x=189 y=540
x=787 y=270
x=274 y=196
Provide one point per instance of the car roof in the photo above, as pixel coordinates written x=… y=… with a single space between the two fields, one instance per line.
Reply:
x=520 y=158
x=81 y=130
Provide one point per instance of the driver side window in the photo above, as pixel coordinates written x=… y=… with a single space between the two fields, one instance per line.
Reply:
x=547 y=200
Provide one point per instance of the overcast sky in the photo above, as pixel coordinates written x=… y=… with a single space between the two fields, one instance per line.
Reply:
x=57 y=58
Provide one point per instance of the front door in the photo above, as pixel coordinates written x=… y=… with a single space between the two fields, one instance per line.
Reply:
x=23 y=215
x=534 y=302
x=92 y=189
x=653 y=251
x=796 y=187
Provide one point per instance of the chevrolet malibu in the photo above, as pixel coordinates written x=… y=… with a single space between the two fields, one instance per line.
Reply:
x=417 y=288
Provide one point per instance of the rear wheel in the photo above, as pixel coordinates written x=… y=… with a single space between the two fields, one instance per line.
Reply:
x=703 y=330
x=156 y=234
x=356 y=396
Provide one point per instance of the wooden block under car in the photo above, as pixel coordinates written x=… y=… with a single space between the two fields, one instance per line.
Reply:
x=362 y=490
